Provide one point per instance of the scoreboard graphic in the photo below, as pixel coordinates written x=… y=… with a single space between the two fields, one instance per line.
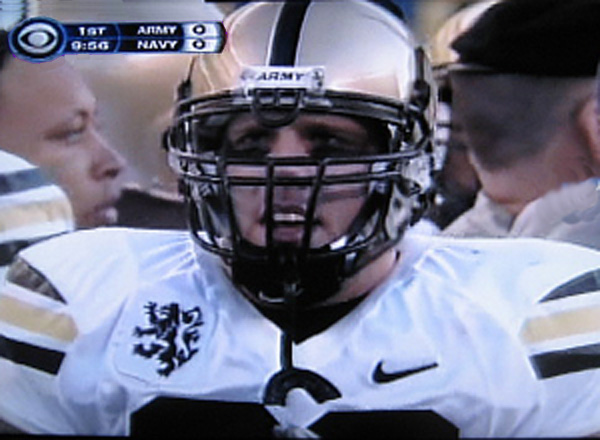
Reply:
x=42 y=39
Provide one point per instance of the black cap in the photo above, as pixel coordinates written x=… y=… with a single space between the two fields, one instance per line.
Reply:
x=535 y=37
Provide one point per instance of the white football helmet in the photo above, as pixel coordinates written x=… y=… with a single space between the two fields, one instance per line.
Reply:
x=282 y=59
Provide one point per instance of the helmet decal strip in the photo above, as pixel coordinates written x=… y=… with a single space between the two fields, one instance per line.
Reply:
x=287 y=33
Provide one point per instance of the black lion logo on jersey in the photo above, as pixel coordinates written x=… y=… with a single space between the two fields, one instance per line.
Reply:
x=174 y=332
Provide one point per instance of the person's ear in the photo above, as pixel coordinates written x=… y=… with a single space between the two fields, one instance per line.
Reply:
x=588 y=122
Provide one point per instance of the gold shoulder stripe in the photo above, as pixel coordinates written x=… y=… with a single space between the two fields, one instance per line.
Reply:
x=35 y=213
x=23 y=275
x=38 y=320
x=562 y=324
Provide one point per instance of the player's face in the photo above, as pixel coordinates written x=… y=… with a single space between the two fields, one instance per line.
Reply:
x=48 y=116
x=309 y=136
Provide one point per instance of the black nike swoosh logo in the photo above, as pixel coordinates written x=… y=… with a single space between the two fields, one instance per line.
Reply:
x=380 y=376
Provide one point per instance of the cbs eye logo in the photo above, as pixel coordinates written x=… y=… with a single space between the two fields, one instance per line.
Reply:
x=38 y=39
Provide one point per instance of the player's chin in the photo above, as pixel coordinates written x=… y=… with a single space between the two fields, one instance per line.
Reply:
x=100 y=215
x=289 y=235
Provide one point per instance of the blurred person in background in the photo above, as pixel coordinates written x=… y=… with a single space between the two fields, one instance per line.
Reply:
x=456 y=182
x=135 y=95
x=598 y=97
x=48 y=115
x=523 y=94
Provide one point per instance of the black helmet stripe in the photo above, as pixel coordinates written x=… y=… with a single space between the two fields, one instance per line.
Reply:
x=287 y=33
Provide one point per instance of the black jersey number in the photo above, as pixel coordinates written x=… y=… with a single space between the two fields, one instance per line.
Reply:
x=209 y=419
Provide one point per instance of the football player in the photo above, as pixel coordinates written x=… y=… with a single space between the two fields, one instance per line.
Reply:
x=31 y=208
x=298 y=306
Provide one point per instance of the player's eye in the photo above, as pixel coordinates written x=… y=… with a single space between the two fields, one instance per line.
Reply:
x=252 y=143
x=327 y=144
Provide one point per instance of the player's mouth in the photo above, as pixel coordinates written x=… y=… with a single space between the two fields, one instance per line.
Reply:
x=288 y=219
x=289 y=223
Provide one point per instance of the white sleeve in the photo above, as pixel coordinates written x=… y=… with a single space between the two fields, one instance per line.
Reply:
x=56 y=315
x=562 y=337
x=35 y=334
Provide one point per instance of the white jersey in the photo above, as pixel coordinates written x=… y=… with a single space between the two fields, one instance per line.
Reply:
x=135 y=331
